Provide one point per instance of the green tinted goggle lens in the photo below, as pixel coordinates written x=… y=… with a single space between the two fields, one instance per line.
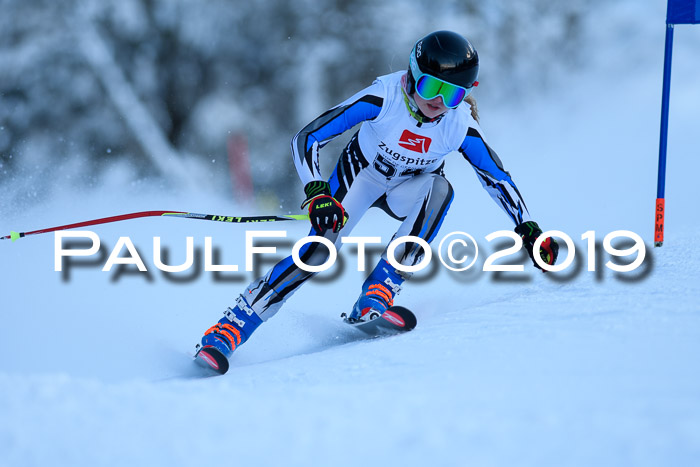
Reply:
x=429 y=87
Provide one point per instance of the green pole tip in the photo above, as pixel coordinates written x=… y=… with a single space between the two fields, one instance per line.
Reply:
x=14 y=235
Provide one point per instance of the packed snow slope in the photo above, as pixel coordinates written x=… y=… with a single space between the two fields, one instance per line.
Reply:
x=577 y=368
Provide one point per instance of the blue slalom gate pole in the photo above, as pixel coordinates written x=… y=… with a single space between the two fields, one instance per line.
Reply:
x=663 y=141
x=677 y=12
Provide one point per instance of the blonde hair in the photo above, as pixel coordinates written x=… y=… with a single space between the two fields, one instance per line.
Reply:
x=471 y=100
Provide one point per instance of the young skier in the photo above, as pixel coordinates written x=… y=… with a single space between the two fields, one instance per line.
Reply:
x=410 y=121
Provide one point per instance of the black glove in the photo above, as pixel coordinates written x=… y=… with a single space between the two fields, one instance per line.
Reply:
x=325 y=212
x=549 y=248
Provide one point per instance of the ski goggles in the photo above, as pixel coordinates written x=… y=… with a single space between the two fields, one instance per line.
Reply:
x=429 y=87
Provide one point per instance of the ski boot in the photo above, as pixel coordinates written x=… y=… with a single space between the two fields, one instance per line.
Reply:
x=227 y=335
x=378 y=293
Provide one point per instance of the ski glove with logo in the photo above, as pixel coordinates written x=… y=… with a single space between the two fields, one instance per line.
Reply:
x=549 y=248
x=325 y=212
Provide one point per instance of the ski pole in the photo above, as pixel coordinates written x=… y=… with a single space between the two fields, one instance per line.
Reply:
x=135 y=215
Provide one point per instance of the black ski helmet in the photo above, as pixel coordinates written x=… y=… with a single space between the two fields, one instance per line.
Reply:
x=445 y=55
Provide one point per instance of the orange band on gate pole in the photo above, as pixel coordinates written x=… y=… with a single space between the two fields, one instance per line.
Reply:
x=659 y=222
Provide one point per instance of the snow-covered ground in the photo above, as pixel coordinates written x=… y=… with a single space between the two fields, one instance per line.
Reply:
x=593 y=368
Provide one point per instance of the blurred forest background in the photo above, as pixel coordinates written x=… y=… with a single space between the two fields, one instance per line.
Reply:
x=151 y=92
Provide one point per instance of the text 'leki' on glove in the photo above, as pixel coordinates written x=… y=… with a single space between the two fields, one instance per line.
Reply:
x=325 y=212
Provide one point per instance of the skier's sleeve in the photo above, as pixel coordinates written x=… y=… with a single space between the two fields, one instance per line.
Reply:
x=493 y=177
x=365 y=105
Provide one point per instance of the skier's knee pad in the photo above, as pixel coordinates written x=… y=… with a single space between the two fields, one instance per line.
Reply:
x=441 y=189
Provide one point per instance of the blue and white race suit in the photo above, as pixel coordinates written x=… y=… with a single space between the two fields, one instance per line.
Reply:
x=393 y=162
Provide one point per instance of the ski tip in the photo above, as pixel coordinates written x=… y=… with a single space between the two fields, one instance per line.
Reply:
x=404 y=315
x=395 y=319
x=210 y=358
